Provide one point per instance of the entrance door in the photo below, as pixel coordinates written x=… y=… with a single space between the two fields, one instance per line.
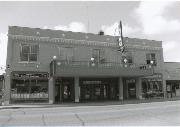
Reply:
x=64 y=89
x=66 y=92
x=132 y=90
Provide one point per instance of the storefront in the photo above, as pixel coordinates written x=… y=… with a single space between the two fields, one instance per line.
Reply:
x=98 y=89
x=64 y=89
x=152 y=87
x=173 y=88
x=129 y=88
x=29 y=87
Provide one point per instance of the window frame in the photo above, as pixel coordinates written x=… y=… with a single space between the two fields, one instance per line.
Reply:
x=128 y=55
x=148 y=61
x=29 y=53
x=101 y=58
x=63 y=53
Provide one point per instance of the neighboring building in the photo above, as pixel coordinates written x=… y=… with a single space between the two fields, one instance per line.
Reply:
x=57 y=66
x=172 y=76
x=1 y=85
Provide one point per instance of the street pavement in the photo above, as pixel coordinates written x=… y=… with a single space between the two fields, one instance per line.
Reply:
x=144 y=114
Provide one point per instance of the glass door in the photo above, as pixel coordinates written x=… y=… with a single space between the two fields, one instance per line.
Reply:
x=132 y=90
x=66 y=92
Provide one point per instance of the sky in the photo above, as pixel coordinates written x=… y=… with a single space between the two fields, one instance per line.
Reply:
x=155 y=20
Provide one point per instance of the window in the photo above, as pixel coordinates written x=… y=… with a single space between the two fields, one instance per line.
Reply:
x=29 y=89
x=96 y=55
x=99 y=55
x=151 y=57
x=66 y=53
x=128 y=57
x=29 y=52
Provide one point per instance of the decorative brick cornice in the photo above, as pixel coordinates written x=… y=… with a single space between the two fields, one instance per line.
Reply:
x=78 y=42
x=62 y=40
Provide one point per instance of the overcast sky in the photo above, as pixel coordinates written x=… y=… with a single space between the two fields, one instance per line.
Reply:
x=150 y=20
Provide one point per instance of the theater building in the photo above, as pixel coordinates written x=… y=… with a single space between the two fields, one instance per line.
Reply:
x=57 y=66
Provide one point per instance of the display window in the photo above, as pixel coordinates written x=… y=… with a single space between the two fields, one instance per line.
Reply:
x=29 y=89
x=152 y=88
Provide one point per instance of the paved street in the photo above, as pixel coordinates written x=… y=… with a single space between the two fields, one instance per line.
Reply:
x=157 y=113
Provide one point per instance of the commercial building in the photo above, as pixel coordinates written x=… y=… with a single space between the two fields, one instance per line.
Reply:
x=172 y=76
x=1 y=85
x=56 y=66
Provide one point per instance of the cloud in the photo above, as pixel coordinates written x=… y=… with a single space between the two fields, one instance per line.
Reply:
x=113 y=29
x=3 y=50
x=73 y=26
x=151 y=16
x=169 y=46
x=171 y=51
x=155 y=24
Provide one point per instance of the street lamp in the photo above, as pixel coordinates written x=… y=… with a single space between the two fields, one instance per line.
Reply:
x=54 y=65
x=92 y=59
x=152 y=62
x=92 y=62
x=152 y=65
x=54 y=57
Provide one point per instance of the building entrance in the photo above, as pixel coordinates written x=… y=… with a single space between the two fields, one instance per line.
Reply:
x=129 y=88
x=132 y=90
x=98 y=89
x=64 y=90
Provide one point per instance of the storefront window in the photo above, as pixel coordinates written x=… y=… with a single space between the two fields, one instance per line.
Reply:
x=152 y=89
x=173 y=88
x=29 y=89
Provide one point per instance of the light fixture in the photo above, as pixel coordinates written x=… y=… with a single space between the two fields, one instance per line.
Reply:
x=58 y=63
x=125 y=60
x=54 y=57
x=93 y=64
x=152 y=62
x=92 y=59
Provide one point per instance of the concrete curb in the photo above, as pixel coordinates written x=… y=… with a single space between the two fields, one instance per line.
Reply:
x=45 y=105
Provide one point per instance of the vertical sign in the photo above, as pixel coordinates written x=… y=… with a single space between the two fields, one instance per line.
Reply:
x=120 y=39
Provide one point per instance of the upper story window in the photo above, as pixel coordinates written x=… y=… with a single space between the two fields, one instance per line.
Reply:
x=66 y=53
x=151 y=57
x=29 y=52
x=128 y=57
x=99 y=55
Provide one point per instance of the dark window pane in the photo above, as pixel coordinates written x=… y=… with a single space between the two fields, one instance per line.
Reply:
x=152 y=56
x=148 y=61
x=33 y=57
x=24 y=53
x=25 y=49
x=24 y=57
x=34 y=49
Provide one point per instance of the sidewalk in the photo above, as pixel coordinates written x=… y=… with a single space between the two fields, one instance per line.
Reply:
x=71 y=104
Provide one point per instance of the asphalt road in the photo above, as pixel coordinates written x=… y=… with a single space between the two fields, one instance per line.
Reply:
x=157 y=114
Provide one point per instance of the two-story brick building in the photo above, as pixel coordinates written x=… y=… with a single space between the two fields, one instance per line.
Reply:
x=57 y=66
